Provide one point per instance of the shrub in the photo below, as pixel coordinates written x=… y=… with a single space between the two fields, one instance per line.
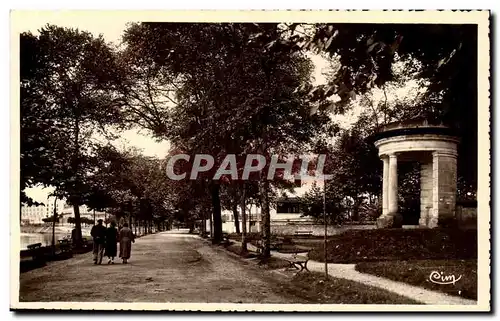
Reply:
x=399 y=244
x=250 y=236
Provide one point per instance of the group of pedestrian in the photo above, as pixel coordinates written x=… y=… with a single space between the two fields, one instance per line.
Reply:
x=106 y=239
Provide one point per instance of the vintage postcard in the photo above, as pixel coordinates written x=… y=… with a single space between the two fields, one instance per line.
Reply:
x=250 y=160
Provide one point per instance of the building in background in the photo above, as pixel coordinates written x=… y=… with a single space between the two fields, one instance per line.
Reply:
x=68 y=211
x=35 y=214
x=286 y=211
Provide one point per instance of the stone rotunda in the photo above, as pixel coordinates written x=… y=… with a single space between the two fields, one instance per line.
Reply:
x=434 y=147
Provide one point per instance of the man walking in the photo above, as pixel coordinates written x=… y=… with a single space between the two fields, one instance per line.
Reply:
x=98 y=233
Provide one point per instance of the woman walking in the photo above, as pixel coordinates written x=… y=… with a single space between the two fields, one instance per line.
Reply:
x=126 y=239
x=111 y=240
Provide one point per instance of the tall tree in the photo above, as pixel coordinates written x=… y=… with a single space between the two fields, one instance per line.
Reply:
x=227 y=93
x=37 y=124
x=71 y=86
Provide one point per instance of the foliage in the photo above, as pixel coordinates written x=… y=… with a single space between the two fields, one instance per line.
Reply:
x=37 y=126
x=409 y=192
x=66 y=99
x=129 y=185
x=399 y=244
x=367 y=52
x=355 y=171
x=312 y=204
x=51 y=219
x=229 y=98
x=83 y=220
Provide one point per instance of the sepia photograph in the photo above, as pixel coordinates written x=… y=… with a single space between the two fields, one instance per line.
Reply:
x=250 y=160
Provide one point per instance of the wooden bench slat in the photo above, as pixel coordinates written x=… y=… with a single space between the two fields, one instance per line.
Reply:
x=34 y=246
x=303 y=233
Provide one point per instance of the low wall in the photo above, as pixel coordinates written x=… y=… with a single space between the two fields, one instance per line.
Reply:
x=317 y=229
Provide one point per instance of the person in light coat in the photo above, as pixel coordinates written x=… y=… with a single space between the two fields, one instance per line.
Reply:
x=126 y=238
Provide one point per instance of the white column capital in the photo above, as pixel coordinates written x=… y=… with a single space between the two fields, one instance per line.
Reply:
x=387 y=156
x=445 y=153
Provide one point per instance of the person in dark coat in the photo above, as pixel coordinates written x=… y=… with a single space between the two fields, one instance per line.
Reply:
x=111 y=240
x=98 y=233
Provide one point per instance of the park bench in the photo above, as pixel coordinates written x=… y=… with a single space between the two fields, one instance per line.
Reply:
x=36 y=252
x=303 y=233
x=86 y=242
x=225 y=239
x=298 y=262
x=65 y=247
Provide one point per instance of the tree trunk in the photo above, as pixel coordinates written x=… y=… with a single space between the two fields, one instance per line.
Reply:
x=243 y=221
x=76 y=199
x=266 y=218
x=217 y=219
x=203 y=226
x=78 y=226
x=235 y=214
x=211 y=225
x=54 y=229
x=355 y=210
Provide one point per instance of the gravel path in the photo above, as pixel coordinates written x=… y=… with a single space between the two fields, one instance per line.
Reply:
x=164 y=267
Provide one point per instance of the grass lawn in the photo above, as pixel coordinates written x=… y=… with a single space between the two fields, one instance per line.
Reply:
x=418 y=273
x=270 y=264
x=398 y=244
x=314 y=287
x=236 y=249
x=273 y=263
x=293 y=248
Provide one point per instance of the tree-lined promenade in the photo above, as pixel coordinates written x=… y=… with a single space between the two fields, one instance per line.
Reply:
x=163 y=268
x=176 y=266
x=228 y=88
